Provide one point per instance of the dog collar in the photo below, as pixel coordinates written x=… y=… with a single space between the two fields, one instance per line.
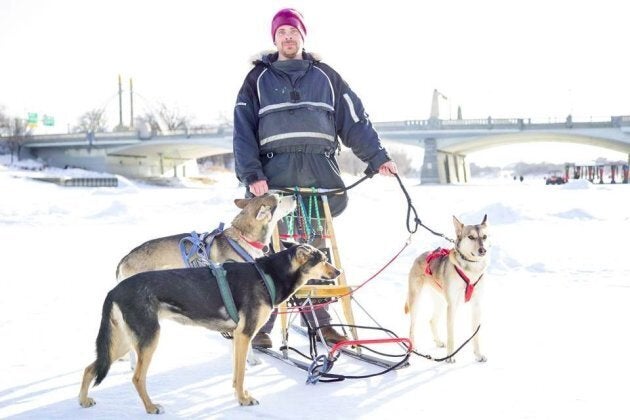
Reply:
x=463 y=257
x=256 y=244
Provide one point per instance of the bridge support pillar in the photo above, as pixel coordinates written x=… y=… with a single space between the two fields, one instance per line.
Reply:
x=442 y=168
x=456 y=171
x=429 y=173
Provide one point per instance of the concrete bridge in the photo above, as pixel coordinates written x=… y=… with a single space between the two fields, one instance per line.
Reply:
x=130 y=153
x=446 y=144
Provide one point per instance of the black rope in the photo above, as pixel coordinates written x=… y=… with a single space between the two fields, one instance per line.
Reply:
x=416 y=219
x=333 y=377
x=429 y=357
x=336 y=377
x=390 y=333
x=380 y=353
x=369 y=174
x=282 y=348
x=327 y=192
x=316 y=375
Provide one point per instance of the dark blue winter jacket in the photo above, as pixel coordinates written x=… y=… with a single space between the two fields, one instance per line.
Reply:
x=287 y=119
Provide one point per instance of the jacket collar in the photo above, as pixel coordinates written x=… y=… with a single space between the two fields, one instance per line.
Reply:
x=269 y=56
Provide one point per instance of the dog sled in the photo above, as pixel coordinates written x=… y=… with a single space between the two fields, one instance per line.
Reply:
x=364 y=343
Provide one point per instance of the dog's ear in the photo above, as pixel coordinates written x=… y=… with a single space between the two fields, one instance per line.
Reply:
x=264 y=212
x=459 y=226
x=241 y=202
x=485 y=219
x=303 y=253
x=288 y=244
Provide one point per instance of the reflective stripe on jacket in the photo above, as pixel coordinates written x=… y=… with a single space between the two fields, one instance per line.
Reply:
x=295 y=113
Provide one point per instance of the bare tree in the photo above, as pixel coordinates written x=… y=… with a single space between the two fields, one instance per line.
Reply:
x=153 y=122
x=16 y=131
x=403 y=161
x=173 y=119
x=92 y=122
x=351 y=164
x=4 y=123
x=4 y=131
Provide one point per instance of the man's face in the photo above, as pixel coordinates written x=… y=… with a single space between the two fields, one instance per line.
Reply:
x=288 y=42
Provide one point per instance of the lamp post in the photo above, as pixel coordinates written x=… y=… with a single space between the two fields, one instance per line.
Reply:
x=120 y=124
x=435 y=105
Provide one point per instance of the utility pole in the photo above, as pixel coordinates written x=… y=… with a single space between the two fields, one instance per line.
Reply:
x=131 y=122
x=120 y=124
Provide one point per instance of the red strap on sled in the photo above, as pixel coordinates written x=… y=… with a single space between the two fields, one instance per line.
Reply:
x=345 y=343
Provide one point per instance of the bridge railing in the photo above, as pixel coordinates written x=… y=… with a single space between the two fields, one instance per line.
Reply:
x=436 y=124
x=82 y=137
x=522 y=124
x=503 y=123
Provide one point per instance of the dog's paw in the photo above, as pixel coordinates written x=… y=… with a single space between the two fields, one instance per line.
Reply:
x=86 y=403
x=439 y=343
x=247 y=399
x=481 y=358
x=155 y=409
x=248 y=402
x=450 y=360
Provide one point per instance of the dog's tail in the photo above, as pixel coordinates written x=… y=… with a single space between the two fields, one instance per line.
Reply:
x=103 y=342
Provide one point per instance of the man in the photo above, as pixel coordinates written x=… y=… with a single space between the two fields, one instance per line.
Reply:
x=289 y=115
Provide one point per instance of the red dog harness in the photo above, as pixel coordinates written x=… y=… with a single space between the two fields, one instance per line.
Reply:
x=440 y=253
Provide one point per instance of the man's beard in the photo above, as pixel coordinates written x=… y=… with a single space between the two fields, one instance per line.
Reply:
x=290 y=52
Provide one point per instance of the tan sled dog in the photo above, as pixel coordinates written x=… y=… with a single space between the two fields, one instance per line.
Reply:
x=251 y=229
x=457 y=275
x=238 y=299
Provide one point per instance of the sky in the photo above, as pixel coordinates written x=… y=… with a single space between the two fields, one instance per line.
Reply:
x=554 y=306
x=534 y=59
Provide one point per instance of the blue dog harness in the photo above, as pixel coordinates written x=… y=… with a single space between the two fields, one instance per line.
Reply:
x=198 y=255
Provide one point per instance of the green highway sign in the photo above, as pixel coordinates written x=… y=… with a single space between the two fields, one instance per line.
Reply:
x=48 y=120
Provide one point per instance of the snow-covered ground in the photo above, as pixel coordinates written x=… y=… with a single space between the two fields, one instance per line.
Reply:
x=554 y=325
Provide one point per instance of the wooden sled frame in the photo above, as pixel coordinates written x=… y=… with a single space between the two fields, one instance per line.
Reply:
x=341 y=289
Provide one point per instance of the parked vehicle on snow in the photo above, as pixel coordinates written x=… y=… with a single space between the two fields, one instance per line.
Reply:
x=555 y=179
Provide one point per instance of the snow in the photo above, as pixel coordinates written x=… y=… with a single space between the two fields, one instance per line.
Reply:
x=553 y=315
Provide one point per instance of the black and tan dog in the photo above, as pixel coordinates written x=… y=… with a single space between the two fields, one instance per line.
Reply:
x=132 y=310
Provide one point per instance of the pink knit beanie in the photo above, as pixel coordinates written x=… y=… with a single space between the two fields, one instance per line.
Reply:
x=288 y=17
